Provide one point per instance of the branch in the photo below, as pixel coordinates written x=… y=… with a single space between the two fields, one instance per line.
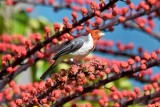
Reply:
x=143 y=79
x=116 y=53
x=115 y=21
x=100 y=83
x=6 y=52
x=56 y=35
x=142 y=99
x=20 y=69
x=56 y=5
x=135 y=26
x=131 y=17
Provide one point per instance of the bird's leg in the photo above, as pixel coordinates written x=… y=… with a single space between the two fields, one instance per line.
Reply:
x=72 y=61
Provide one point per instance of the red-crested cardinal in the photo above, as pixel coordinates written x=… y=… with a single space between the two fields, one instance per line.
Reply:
x=77 y=48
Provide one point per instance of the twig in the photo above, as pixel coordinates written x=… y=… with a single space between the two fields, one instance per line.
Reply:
x=135 y=26
x=20 y=69
x=138 y=14
x=143 y=80
x=57 y=6
x=117 y=53
x=115 y=21
x=142 y=99
x=7 y=52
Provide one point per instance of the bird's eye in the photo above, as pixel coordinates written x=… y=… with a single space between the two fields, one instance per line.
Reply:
x=97 y=32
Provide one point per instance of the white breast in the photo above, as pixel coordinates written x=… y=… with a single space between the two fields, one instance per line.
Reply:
x=86 y=48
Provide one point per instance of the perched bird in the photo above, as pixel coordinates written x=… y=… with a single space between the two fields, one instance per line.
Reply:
x=77 y=48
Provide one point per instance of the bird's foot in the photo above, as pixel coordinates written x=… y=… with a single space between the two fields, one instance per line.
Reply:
x=72 y=61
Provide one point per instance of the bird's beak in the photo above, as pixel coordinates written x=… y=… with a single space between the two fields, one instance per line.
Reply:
x=101 y=34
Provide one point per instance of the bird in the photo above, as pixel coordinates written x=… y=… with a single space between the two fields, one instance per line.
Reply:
x=77 y=48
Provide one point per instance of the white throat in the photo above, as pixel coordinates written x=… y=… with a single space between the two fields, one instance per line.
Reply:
x=89 y=38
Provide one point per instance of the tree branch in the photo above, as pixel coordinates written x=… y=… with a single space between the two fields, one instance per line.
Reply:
x=115 y=21
x=101 y=83
x=131 y=17
x=142 y=99
x=134 y=25
x=56 y=6
x=116 y=53
x=20 y=69
x=143 y=80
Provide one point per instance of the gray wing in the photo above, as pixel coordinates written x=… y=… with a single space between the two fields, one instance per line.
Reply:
x=69 y=47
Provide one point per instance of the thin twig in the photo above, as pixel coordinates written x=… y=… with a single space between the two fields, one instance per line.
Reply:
x=116 y=53
x=56 y=6
x=142 y=99
x=115 y=21
x=134 y=25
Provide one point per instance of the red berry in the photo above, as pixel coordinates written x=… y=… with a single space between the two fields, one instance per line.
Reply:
x=9 y=69
x=84 y=11
x=79 y=89
x=47 y=29
x=137 y=89
x=130 y=61
x=137 y=59
x=38 y=37
x=131 y=6
x=74 y=15
x=19 y=102
x=12 y=83
x=97 y=13
x=154 y=55
x=29 y=9
x=116 y=69
x=146 y=56
x=113 y=88
x=56 y=26
x=4 y=63
x=121 y=18
x=143 y=66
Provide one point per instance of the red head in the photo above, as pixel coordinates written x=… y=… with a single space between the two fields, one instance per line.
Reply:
x=96 y=35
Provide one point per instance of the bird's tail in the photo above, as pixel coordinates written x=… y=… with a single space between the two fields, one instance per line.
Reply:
x=48 y=70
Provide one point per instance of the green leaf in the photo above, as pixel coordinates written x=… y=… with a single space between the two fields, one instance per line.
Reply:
x=123 y=83
x=61 y=66
x=136 y=105
x=41 y=67
x=2 y=25
x=95 y=104
x=34 y=24
x=20 y=22
x=68 y=104
x=43 y=21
